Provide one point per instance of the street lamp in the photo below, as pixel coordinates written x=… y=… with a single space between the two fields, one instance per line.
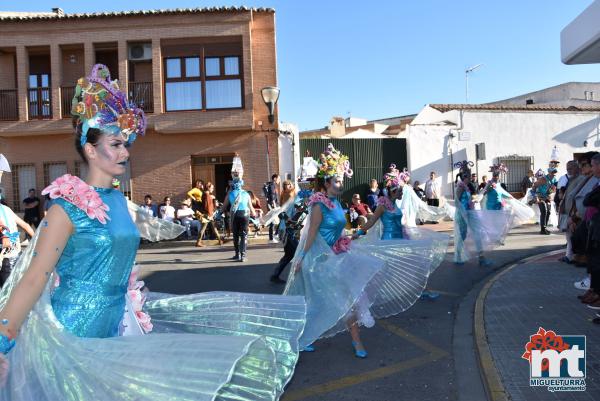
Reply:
x=270 y=95
x=467 y=72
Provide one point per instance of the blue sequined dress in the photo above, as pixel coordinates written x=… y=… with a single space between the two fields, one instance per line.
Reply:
x=372 y=279
x=209 y=346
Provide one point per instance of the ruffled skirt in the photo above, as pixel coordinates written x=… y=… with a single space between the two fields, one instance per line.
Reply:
x=211 y=346
x=374 y=279
x=477 y=231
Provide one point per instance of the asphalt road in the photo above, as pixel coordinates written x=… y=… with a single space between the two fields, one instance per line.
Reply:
x=423 y=354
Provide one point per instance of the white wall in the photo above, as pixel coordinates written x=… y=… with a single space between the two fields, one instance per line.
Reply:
x=289 y=151
x=504 y=134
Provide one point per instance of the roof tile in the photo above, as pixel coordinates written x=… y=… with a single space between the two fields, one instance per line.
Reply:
x=31 y=16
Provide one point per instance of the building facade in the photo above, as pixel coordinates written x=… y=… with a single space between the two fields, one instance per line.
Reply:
x=197 y=73
x=521 y=136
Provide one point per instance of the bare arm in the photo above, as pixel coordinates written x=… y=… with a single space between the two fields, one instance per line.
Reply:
x=378 y=212
x=21 y=223
x=51 y=242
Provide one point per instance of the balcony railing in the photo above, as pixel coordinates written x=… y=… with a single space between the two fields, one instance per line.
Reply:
x=9 y=109
x=40 y=103
x=66 y=96
x=142 y=95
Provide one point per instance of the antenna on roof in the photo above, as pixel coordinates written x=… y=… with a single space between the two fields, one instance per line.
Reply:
x=467 y=72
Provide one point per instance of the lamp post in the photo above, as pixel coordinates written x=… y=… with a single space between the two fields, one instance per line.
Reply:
x=270 y=95
x=467 y=72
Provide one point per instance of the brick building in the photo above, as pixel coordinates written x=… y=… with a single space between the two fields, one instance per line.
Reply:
x=197 y=73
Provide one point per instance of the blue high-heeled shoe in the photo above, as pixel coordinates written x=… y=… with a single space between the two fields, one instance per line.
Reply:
x=430 y=294
x=308 y=348
x=359 y=353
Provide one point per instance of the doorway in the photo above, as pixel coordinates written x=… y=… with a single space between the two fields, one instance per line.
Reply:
x=222 y=178
x=214 y=168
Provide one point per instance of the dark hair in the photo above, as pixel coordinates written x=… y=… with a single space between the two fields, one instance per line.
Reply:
x=148 y=197
x=31 y=189
x=93 y=136
x=274 y=176
x=587 y=156
x=320 y=183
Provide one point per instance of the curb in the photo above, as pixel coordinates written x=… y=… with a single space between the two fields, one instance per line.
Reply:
x=492 y=381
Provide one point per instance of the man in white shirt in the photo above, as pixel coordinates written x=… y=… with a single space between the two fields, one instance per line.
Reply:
x=433 y=190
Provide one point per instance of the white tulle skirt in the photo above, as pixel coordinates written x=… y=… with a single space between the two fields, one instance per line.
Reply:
x=374 y=279
x=210 y=346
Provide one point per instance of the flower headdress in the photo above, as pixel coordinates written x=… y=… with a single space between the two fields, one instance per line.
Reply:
x=392 y=177
x=99 y=103
x=334 y=163
x=498 y=168
x=405 y=175
x=464 y=167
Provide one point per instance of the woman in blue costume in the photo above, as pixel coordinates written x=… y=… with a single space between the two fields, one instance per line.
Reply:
x=497 y=198
x=72 y=321
x=426 y=247
x=413 y=207
x=347 y=283
x=475 y=230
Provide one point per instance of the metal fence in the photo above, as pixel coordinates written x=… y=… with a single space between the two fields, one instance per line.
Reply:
x=369 y=158
x=518 y=166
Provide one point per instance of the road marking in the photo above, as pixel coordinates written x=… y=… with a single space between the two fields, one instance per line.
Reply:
x=433 y=354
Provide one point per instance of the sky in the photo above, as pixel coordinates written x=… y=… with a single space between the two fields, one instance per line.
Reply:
x=378 y=59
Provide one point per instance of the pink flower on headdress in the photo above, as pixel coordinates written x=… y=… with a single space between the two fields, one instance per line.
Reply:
x=392 y=177
x=404 y=176
x=320 y=197
x=75 y=191
x=341 y=245
x=498 y=168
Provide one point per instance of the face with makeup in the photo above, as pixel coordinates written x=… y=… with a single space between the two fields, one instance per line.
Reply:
x=334 y=186
x=109 y=154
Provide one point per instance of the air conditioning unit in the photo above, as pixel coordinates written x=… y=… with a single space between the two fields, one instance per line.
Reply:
x=140 y=51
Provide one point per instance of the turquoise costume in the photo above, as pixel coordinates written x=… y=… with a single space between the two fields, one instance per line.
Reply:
x=210 y=346
x=477 y=231
x=392 y=224
x=493 y=199
x=94 y=269
x=334 y=221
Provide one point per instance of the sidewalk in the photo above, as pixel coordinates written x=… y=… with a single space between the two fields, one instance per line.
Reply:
x=538 y=293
